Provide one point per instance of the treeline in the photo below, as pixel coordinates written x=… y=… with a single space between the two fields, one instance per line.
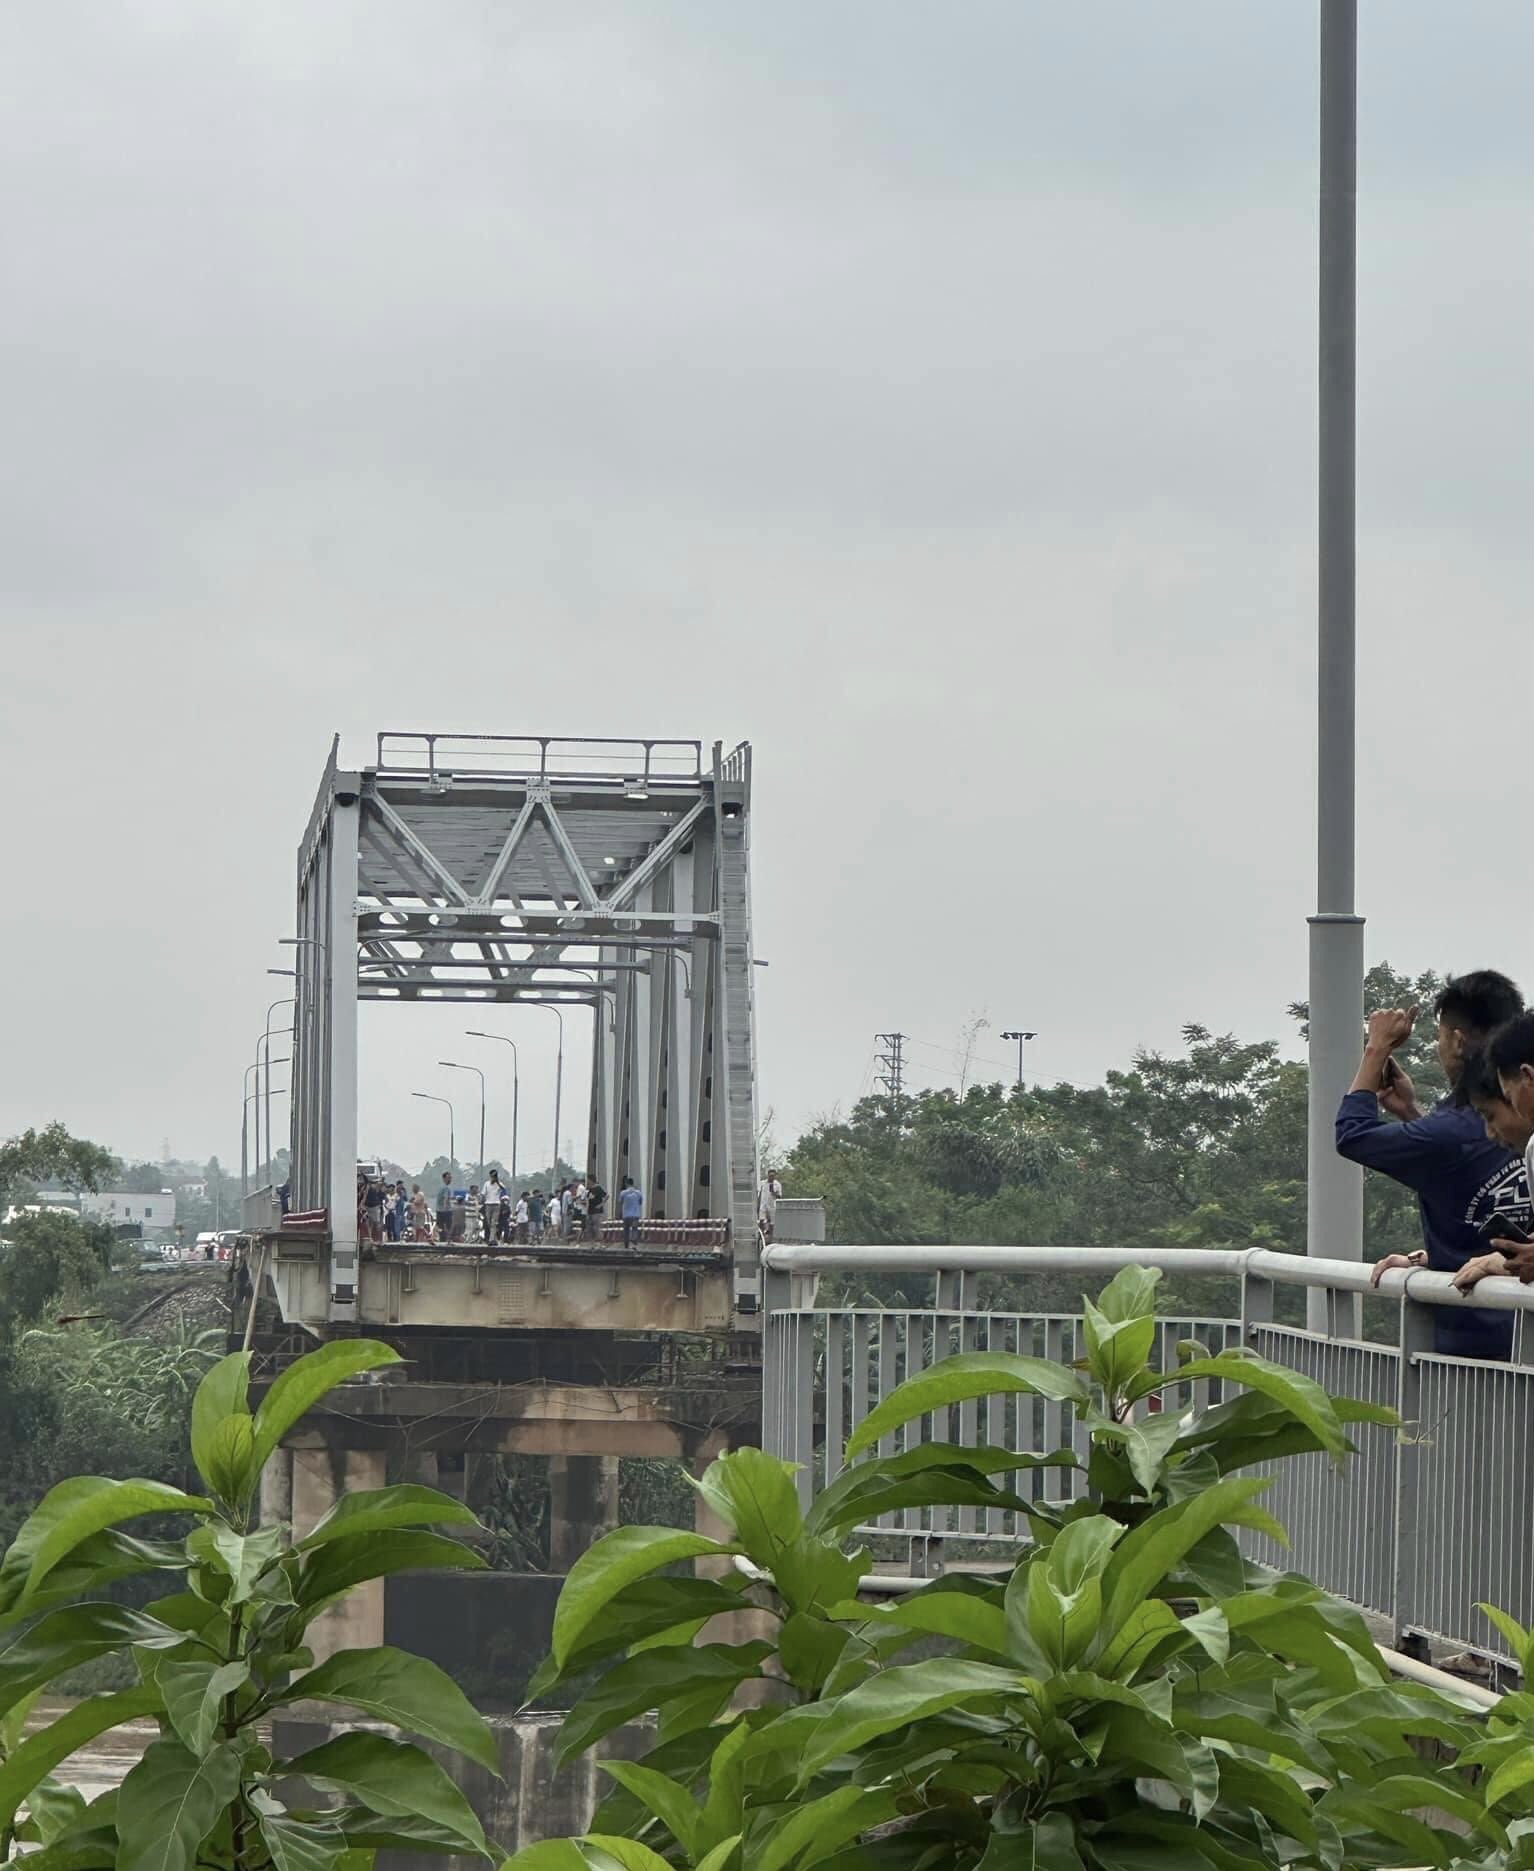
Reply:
x=1206 y=1148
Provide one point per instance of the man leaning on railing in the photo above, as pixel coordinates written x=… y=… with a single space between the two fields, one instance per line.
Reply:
x=1463 y=1179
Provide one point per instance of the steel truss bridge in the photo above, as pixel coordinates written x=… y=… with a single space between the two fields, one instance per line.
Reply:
x=606 y=875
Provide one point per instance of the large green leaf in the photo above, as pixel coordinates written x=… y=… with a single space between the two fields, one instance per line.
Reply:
x=240 y=1557
x=35 y=1758
x=58 y=1502
x=814 y=1574
x=819 y=1827
x=671 y=1802
x=1276 y=1795
x=220 y=1396
x=1130 y=1294
x=723 y=1809
x=895 y=1697
x=194 y=1697
x=378 y=1510
x=302 y=1385
x=701 y=1677
x=755 y=1496
x=1517 y=1637
x=301 y=1844
x=605 y=1568
x=960 y=1615
x=1160 y=1753
x=407 y=1690
x=1147 y=1627
x=1150 y=1551
x=73 y=1512
x=1146 y=1444
x=336 y=1568
x=33 y=1654
x=847 y=1500
x=52 y=1809
x=639 y=1612
x=229 y=1460
x=394 y=1779
x=957 y=1379
x=1301 y=1396
x=1046 y=1844
x=169 y=1802
x=1116 y=1348
x=88 y=1843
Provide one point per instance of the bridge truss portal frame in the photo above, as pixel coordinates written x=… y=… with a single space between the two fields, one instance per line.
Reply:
x=607 y=874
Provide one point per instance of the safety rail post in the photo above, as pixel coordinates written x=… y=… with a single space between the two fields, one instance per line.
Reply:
x=1416 y=1339
x=1258 y=1297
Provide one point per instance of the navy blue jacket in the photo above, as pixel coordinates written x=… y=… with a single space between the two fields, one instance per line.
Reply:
x=1461 y=1179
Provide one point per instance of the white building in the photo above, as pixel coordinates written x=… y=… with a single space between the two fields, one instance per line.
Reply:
x=155 y=1213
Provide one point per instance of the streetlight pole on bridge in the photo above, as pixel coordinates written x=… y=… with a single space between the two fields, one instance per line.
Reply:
x=453 y=1066
x=516 y=1086
x=452 y=1127
x=1335 y=1210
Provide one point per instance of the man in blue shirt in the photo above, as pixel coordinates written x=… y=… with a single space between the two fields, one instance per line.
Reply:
x=630 y=1208
x=1460 y=1176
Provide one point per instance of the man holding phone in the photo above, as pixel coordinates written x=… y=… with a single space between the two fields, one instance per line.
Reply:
x=1461 y=1177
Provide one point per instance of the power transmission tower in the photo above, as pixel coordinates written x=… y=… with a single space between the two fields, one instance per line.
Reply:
x=891 y=1063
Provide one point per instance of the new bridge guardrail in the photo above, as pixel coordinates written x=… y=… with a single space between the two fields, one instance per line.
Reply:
x=1419 y=1526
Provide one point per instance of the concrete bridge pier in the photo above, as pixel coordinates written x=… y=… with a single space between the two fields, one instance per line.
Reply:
x=583 y=1505
x=300 y=1485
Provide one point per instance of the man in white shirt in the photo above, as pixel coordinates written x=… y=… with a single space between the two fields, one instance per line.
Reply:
x=491 y=1200
x=555 y=1216
x=767 y=1199
x=520 y=1218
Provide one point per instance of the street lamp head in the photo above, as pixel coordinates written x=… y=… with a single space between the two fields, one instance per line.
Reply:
x=1016 y=1035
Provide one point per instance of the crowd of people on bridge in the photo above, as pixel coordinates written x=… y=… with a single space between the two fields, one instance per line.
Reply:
x=487 y=1214
x=1470 y=1159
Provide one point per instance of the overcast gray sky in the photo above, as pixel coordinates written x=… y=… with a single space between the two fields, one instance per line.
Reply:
x=925 y=393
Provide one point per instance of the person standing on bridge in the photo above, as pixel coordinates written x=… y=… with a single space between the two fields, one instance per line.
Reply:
x=630 y=1211
x=556 y=1214
x=445 y=1208
x=1461 y=1178
x=519 y=1228
x=493 y=1197
x=535 y=1217
x=767 y=1200
x=420 y=1214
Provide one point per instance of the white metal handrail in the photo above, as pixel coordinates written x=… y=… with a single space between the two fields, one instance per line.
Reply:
x=1495 y=1294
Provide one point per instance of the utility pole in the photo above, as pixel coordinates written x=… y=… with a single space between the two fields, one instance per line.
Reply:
x=891 y=1063
x=1335 y=1210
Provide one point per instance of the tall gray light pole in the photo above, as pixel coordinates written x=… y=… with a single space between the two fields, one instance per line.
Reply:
x=288 y=1000
x=1022 y=1040
x=559 y=1071
x=452 y=1126
x=453 y=1066
x=1335 y=1215
x=516 y=1087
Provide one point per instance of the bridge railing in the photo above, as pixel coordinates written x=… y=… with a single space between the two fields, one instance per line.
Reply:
x=1420 y=1526
x=406 y=752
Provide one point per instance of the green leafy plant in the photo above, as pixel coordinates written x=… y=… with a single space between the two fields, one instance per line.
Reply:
x=223 y=1652
x=1131 y=1694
